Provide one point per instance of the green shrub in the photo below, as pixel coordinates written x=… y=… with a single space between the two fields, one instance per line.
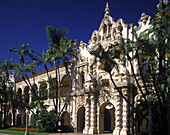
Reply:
x=46 y=121
x=0 y=119
x=33 y=120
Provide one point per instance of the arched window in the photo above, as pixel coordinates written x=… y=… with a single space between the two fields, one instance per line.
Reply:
x=66 y=85
x=105 y=29
x=20 y=94
x=35 y=92
x=52 y=89
x=82 y=80
x=43 y=90
x=26 y=94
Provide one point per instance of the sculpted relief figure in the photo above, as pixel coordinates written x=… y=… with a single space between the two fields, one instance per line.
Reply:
x=113 y=33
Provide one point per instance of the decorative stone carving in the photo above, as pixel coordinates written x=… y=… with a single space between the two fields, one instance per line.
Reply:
x=142 y=21
x=107 y=10
x=113 y=33
x=82 y=45
x=144 y=18
x=80 y=101
x=119 y=29
x=95 y=37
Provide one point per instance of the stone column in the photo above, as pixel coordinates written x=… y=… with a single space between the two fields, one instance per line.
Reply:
x=16 y=118
x=93 y=112
x=29 y=119
x=48 y=91
x=125 y=118
x=87 y=115
x=117 y=116
x=75 y=123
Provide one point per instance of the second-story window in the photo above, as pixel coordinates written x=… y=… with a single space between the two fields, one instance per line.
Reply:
x=82 y=81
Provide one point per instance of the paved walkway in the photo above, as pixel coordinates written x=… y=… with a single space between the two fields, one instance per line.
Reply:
x=79 y=134
x=70 y=134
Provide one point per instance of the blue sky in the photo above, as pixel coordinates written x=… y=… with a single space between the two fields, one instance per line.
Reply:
x=25 y=21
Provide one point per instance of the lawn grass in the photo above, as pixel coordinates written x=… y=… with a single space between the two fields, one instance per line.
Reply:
x=21 y=132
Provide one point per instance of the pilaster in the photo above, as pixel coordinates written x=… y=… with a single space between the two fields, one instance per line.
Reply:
x=87 y=114
x=117 y=116
x=125 y=119
x=93 y=116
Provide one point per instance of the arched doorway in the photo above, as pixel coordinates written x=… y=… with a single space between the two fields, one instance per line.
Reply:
x=80 y=119
x=106 y=118
x=24 y=119
x=9 y=119
x=18 y=119
x=65 y=119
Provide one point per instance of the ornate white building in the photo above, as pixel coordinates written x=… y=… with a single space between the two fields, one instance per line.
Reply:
x=94 y=105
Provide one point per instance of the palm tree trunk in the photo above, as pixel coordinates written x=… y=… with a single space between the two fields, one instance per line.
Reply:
x=56 y=107
x=45 y=66
x=4 y=121
x=58 y=63
x=31 y=88
x=49 y=81
x=137 y=82
x=13 y=113
x=65 y=65
x=141 y=73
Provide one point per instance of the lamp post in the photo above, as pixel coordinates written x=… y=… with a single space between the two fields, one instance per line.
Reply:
x=26 y=132
x=149 y=115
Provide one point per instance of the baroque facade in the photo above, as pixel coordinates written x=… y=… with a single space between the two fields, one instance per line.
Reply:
x=94 y=105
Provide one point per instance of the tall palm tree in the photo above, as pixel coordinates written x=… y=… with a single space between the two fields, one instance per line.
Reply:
x=6 y=67
x=66 y=50
x=42 y=60
x=60 y=49
x=25 y=66
x=54 y=35
x=22 y=70
x=22 y=51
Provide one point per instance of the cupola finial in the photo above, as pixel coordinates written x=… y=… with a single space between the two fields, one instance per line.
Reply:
x=107 y=10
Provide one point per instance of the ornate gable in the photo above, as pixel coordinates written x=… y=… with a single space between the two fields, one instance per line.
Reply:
x=108 y=33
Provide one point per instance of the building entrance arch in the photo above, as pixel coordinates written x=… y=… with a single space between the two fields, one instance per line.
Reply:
x=80 y=119
x=18 y=119
x=65 y=119
x=106 y=118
